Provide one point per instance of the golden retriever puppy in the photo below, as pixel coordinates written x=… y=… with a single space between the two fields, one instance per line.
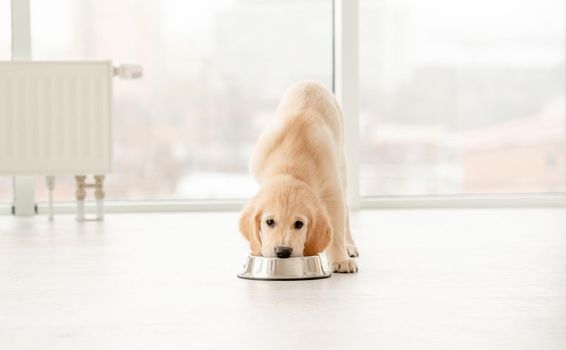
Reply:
x=301 y=208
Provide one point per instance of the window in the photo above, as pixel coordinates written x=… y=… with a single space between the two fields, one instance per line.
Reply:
x=462 y=97
x=214 y=72
x=455 y=97
x=5 y=54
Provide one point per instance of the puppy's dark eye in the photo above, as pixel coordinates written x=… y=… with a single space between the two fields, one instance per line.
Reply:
x=298 y=225
x=270 y=222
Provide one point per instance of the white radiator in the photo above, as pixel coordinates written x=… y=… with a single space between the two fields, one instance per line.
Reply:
x=55 y=118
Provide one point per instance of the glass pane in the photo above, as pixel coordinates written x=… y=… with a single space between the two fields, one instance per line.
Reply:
x=5 y=189
x=213 y=74
x=5 y=54
x=462 y=97
x=5 y=30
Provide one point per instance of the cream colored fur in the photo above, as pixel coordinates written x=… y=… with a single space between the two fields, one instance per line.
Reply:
x=300 y=165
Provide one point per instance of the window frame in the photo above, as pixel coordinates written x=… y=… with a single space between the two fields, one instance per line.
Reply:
x=345 y=78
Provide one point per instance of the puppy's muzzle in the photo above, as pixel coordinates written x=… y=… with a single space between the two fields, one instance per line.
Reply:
x=283 y=252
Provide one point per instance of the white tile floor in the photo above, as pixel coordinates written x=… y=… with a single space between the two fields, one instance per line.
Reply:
x=429 y=279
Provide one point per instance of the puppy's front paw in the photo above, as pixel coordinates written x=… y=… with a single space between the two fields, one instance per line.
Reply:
x=345 y=266
x=352 y=250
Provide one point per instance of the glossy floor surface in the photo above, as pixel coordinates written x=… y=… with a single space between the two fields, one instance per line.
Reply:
x=429 y=279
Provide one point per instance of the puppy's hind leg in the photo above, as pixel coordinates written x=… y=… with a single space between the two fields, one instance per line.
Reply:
x=350 y=245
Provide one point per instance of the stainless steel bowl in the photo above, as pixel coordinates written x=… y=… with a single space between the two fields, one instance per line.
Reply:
x=290 y=269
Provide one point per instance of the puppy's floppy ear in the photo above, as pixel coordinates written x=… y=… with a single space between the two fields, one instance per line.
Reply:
x=319 y=235
x=249 y=226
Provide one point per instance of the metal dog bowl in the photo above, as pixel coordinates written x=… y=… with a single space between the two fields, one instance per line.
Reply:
x=290 y=269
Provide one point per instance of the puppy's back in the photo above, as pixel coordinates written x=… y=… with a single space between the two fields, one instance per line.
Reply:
x=306 y=135
x=306 y=98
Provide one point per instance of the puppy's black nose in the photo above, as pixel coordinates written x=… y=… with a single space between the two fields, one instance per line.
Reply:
x=283 y=252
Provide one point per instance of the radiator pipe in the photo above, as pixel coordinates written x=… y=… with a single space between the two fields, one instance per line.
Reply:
x=50 y=186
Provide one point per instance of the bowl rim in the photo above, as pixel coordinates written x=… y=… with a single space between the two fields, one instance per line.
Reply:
x=250 y=256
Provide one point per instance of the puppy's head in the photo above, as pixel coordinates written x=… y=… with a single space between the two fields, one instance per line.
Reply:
x=285 y=219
